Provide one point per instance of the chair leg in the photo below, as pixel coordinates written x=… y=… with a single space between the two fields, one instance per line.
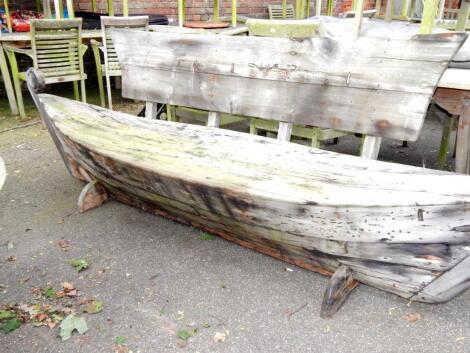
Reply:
x=76 y=94
x=315 y=137
x=16 y=82
x=253 y=129
x=108 y=89
x=99 y=75
x=83 y=90
x=446 y=133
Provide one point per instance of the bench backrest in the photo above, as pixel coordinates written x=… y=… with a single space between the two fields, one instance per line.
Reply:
x=379 y=87
x=283 y=28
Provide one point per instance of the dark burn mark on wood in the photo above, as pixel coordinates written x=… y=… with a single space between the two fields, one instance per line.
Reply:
x=420 y=214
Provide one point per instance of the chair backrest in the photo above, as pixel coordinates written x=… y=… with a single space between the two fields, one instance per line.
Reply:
x=375 y=86
x=283 y=28
x=277 y=13
x=56 y=47
x=111 y=61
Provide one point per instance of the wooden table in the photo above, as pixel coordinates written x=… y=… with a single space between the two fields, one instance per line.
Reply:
x=23 y=39
x=453 y=95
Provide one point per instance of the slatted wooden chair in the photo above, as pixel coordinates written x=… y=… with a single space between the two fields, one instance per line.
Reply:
x=276 y=12
x=111 y=67
x=290 y=29
x=56 y=50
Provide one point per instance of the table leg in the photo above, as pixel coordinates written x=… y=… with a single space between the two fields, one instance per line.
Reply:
x=443 y=149
x=7 y=81
x=461 y=156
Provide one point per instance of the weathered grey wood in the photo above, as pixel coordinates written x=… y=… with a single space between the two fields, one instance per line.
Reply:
x=448 y=285
x=3 y=173
x=398 y=228
x=301 y=82
x=463 y=143
x=371 y=147
x=93 y=195
x=285 y=131
x=340 y=286
x=151 y=110
x=213 y=119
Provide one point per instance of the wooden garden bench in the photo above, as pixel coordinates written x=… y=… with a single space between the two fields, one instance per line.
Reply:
x=379 y=88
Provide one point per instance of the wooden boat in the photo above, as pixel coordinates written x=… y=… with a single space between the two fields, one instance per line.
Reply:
x=402 y=229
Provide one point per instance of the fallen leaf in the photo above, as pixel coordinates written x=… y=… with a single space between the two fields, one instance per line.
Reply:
x=49 y=293
x=10 y=246
x=11 y=325
x=180 y=315
x=71 y=323
x=94 y=307
x=220 y=337
x=11 y=258
x=6 y=314
x=42 y=317
x=460 y=339
x=79 y=264
x=64 y=244
x=183 y=334
x=412 y=317
x=207 y=236
x=120 y=340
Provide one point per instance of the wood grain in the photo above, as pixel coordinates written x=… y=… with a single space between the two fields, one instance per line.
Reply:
x=398 y=228
x=380 y=87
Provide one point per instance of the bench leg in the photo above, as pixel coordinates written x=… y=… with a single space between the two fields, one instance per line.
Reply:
x=371 y=147
x=151 y=110
x=214 y=119
x=461 y=156
x=443 y=149
x=16 y=82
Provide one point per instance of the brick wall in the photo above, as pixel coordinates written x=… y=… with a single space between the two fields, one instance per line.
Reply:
x=202 y=9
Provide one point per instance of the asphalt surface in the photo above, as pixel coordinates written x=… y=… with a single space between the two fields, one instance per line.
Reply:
x=157 y=277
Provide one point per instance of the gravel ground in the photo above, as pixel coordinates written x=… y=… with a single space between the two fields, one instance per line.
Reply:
x=156 y=277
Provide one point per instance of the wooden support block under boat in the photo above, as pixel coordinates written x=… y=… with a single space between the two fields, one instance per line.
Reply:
x=340 y=286
x=92 y=196
x=398 y=228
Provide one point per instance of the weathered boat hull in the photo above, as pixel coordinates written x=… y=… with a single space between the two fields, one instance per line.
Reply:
x=401 y=229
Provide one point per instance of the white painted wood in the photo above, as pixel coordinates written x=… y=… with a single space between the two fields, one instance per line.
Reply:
x=3 y=173
x=358 y=18
x=271 y=78
x=57 y=13
x=151 y=110
x=213 y=119
x=455 y=78
x=371 y=147
x=399 y=228
x=285 y=131
x=317 y=7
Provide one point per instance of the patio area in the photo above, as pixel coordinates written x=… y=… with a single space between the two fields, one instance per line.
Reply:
x=296 y=136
